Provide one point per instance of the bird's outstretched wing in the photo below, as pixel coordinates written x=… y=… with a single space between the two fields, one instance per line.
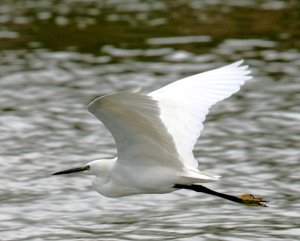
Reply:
x=139 y=133
x=185 y=103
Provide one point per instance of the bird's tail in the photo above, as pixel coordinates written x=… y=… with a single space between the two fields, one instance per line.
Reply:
x=196 y=176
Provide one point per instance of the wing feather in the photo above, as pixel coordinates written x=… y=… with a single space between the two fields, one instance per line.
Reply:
x=139 y=133
x=161 y=128
x=185 y=103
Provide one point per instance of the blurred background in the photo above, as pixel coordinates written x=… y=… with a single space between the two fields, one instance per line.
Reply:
x=58 y=55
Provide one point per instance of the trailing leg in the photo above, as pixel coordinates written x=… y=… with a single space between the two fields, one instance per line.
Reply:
x=245 y=199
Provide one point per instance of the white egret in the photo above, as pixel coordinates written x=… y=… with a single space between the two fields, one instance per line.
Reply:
x=155 y=135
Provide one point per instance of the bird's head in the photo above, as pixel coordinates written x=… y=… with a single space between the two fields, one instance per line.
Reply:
x=93 y=168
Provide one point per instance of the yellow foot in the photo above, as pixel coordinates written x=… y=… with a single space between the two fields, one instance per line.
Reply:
x=251 y=200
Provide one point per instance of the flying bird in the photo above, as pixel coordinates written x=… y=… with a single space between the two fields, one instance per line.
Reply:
x=155 y=134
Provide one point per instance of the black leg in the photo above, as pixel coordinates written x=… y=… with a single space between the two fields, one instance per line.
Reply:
x=245 y=199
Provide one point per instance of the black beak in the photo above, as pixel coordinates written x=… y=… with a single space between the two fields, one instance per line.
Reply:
x=76 y=169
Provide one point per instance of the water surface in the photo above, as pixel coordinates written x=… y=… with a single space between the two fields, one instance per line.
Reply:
x=57 y=56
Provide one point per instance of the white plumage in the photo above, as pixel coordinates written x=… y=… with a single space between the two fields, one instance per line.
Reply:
x=185 y=103
x=155 y=134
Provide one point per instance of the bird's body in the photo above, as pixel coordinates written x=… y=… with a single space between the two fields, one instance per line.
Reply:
x=155 y=135
x=114 y=180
